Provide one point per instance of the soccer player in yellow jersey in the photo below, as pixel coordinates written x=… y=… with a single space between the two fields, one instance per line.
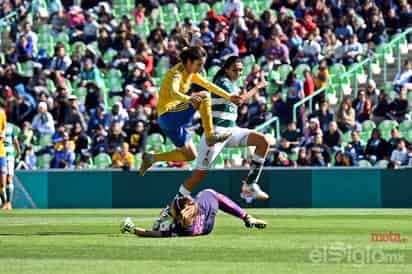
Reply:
x=3 y=122
x=176 y=108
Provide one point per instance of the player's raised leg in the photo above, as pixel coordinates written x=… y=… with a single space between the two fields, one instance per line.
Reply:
x=230 y=207
x=251 y=189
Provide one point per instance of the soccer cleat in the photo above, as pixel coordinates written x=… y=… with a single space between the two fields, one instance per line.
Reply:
x=251 y=222
x=218 y=138
x=147 y=162
x=127 y=226
x=252 y=191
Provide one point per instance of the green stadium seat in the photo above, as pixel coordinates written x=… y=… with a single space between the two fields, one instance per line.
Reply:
x=219 y=162
x=114 y=80
x=368 y=126
x=382 y=164
x=212 y=72
x=202 y=9
x=219 y=7
x=405 y=126
x=300 y=69
x=109 y=55
x=187 y=10
x=137 y=160
x=102 y=160
x=44 y=161
x=284 y=71
x=364 y=163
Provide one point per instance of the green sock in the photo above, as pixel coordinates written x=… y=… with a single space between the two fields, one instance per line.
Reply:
x=9 y=192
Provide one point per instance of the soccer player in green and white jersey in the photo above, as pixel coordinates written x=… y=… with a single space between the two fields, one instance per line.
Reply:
x=224 y=119
x=12 y=148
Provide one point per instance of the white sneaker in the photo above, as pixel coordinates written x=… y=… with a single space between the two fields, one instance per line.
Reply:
x=253 y=191
x=127 y=226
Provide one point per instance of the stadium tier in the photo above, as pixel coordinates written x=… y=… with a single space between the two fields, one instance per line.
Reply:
x=81 y=82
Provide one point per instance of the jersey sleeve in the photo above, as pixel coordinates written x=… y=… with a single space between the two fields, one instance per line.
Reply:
x=199 y=80
x=3 y=121
x=175 y=89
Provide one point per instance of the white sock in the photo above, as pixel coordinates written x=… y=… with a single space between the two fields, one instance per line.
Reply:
x=258 y=159
x=184 y=191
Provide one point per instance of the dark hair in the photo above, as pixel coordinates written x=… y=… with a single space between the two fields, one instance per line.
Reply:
x=228 y=63
x=192 y=54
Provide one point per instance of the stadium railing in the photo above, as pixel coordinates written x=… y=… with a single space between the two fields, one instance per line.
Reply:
x=380 y=56
x=269 y=122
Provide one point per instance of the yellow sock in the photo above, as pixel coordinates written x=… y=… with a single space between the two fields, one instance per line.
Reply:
x=175 y=155
x=205 y=111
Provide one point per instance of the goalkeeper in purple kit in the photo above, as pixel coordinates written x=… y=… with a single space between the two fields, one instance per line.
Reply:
x=195 y=216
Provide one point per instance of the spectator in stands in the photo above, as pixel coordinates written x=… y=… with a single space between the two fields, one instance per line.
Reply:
x=312 y=131
x=321 y=80
x=99 y=118
x=382 y=109
x=139 y=14
x=65 y=157
x=123 y=158
x=325 y=115
x=346 y=116
x=99 y=140
x=24 y=49
x=377 y=148
x=359 y=103
x=118 y=114
x=30 y=36
x=302 y=158
x=130 y=98
x=20 y=110
x=29 y=159
x=319 y=152
x=353 y=51
x=404 y=77
x=399 y=108
x=43 y=122
x=375 y=30
x=61 y=62
x=255 y=43
x=372 y=92
x=89 y=73
x=395 y=138
x=333 y=136
x=93 y=97
x=136 y=137
x=400 y=154
x=308 y=84
x=80 y=140
x=292 y=134
x=115 y=138
x=311 y=50
x=277 y=50
x=355 y=147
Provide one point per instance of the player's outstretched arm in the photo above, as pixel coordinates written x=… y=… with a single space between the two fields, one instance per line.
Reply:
x=141 y=232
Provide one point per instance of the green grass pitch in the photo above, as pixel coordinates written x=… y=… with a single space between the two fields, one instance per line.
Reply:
x=296 y=241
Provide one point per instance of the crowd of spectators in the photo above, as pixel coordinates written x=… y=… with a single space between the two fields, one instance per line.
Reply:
x=94 y=90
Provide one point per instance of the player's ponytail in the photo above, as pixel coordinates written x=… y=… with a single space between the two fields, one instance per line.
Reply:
x=192 y=54
x=228 y=63
x=186 y=210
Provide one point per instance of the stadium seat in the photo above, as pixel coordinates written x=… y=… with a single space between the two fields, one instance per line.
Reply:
x=102 y=160
x=385 y=127
x=364 y=163
x=300 y=70
x=382 y=164
x=405 y=126
x=137 y=160
x=202 y=9
x=284 y=71
x=45 y=140
x=43 y=161
x=219 y=7
x=219 y=162
x=368 y=126
x=109 y=56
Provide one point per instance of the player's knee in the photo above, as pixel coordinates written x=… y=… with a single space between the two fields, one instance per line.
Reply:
x=264 y=142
